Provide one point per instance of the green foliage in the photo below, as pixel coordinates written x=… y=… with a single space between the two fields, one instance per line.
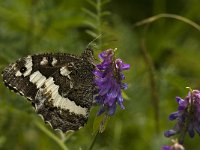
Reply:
x=33 y=26
x=96 y=21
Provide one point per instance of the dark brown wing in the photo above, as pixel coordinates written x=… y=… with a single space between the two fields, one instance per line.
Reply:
x=60 y=86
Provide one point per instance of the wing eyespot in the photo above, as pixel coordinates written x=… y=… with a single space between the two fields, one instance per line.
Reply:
x=23 y=69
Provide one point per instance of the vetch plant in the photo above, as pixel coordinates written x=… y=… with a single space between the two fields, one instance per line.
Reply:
x=108 y=80
x=96 y=20
x=187 y=116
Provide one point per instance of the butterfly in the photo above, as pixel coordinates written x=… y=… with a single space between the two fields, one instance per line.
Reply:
x=59 y=86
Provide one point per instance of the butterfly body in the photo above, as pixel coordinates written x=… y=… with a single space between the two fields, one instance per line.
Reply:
x=60 y=86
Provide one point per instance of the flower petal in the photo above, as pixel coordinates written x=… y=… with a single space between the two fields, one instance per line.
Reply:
x=121 y=66
x=109 y=101
x=165 y=147
x=105 y=89
x=120 y=101
x=98 y=73
x=122 y=76
x=191 y=131
x=173 y=115
x=124 y=86
x=106 y=54
x=100 y=81
x=179 y=100
x=170 y=133
x=101 y=111
x=114 y=91
x=112 y=110
x=182 y=103
x=99 y=99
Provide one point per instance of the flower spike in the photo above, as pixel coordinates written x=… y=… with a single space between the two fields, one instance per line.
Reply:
x=187 y=116
x=108 y=79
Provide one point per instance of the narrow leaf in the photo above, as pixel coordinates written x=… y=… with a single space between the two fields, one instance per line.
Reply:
x=125 y=96
x=105 y=2
x=91 y=33
x=96 y=123
x=105 y=13
x=92 y=3
x=100 y=123
x=91 y=14
x=91 y=24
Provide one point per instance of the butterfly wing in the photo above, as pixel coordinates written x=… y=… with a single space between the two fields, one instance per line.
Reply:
x=60 y=87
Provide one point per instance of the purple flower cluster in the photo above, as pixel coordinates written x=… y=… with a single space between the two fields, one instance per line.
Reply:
x=175 y=146
x=187 y=116
x=108 y=79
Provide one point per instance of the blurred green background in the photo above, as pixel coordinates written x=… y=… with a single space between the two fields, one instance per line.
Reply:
x=161 y=67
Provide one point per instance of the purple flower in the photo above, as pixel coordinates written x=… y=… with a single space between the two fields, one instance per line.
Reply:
x=187 y=116
x=175 y=146
x=108 y=79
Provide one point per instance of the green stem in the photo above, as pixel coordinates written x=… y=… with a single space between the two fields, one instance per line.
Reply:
x=99 y=22
x=152 y=78
x=94 y=140
x=51 y=135
x=174 y=16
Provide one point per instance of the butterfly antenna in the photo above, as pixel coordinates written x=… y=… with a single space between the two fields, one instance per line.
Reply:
x=89 y=45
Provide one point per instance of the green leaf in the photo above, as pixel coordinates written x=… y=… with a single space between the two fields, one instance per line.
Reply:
x=105 y=2
x=92 y=3
x=125 y=96
x=105 y=13
x=2 y=140
x=100 y=123
x=96 y=123
x=91 y=24
x=91 y=14
x=94 y=35
x=51 y=135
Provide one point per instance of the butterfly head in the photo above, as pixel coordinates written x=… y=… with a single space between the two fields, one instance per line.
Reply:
x=88 y=55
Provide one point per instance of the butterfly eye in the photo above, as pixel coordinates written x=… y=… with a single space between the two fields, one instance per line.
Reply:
x=23 y=69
